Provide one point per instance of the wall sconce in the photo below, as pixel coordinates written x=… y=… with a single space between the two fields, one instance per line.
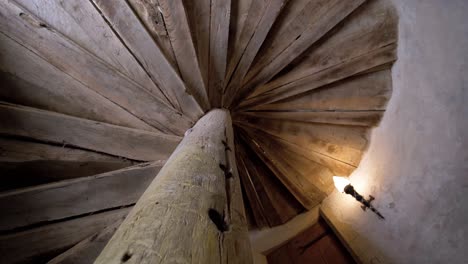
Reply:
x=344 y=185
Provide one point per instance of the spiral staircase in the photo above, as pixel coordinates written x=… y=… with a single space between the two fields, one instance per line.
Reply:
x=97 y=94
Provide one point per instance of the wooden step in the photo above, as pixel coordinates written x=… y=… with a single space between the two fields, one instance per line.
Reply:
x=38 y=245
x=71 y=198
x=277 y=204
x=139 y=41
x=61 y=129
x=88 y=69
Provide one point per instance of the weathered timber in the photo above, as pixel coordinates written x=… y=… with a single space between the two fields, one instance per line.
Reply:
x=271 y=12
x=369 y=91
x=93 y=72
x=258 y=212
x=26 y=163
x=177 y=26
x=101 y=137
x=198 y=15
x=277 y=203
x=28 y=173
x=87 y=250
x=343 y=143
x=128 y=26
x=192 y=212
x=339 y=117
x=38 y=245
x=150 y=15
x=17 y=150
x=310 y=187
x=219 y=35
x=273 y=93
x=239 y=13
x=370 y=28
x=27 y=79
x=337 y=167
x=82 y=23
x=326 y=15
x=70 y=198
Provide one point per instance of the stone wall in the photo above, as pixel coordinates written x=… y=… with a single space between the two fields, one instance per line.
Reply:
x=417 y=163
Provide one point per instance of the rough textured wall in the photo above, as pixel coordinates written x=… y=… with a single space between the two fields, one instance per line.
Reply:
x=417 y=162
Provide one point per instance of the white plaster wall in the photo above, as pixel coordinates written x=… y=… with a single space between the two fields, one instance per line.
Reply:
x=417 y=162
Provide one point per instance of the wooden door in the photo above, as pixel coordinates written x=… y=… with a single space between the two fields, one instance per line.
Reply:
x=317 y=245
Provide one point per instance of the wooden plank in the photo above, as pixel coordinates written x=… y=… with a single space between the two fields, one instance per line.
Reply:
x=278 y=204
x=270 y=14
x=66 y=130
x=26 y=163
x=337 y=167
x=326 y=15
x=29 y=80
x=69 y=198
x=150 y=15
x=258 y=212
x=88 y=249
x=28 y=173
x=81 y=23
x=219 y=35
x=239 y=13
x=340 y=117
x=178 y=28
x=198 y=15
x=40 y=244
x=132 y=32
x=370 y=28
x=369 y=91
x=193 y=211
x=374 y=25
x=308 y=190
x=272 y=93
x=245 y=33
x=343 y=143
x=15 y=150
x=88 y=69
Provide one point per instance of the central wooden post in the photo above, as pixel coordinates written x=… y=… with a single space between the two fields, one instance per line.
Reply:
x=193 y=211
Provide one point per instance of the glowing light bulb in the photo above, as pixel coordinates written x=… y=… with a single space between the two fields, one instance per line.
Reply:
x=340 y=182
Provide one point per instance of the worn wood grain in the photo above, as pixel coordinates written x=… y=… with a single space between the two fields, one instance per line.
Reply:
x=325 y=15
x=28 y=173
x=128 y=26
x=150 y=15
x=359 y=93
x=343 y=143
x=239 y=13
x=29 y=80
x=340 y=117
x=192 y=212
x=337 y=167
x=219 y=36
x=198 y=15
x=308 y=190
x=38 y=245
x=18 y=150
x=101 y=137
x=82 y=23
x=69 y=198
x=267 y=19
x=258 y=211
x=87 y=250
x=178 y=28
x=361 y=64
x=278 y=204
x=33 y=33
x=368 y=30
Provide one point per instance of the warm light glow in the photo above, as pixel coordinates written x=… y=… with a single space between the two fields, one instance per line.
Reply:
x=340 y=182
